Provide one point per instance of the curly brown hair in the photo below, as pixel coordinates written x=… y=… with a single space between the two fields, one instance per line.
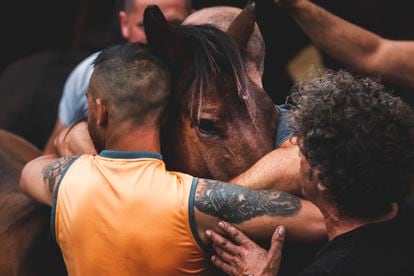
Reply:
x=360 y=138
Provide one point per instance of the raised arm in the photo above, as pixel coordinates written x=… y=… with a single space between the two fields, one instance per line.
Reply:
x=256 y=212
x=353 y=46
x=41 y=176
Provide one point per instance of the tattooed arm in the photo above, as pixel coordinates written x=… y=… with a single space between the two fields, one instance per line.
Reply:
x=256 y=212
x=40 y=177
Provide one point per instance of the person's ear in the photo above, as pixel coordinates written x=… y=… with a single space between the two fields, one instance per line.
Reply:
x=123 y=21
x=321 y=188
x=101 y=112
x=317 y=177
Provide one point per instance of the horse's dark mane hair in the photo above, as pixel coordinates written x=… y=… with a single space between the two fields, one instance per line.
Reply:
x=214 y=56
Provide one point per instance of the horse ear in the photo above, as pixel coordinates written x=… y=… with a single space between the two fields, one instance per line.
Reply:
x=243 y=25
x=162 y=37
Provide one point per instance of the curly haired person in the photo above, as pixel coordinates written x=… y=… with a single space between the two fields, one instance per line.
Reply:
x=357 y=157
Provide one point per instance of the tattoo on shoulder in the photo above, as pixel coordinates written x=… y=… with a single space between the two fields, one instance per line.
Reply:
x=54 y=171
x=236 y=204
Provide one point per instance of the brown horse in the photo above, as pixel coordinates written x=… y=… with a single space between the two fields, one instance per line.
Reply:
x=26 y=248
x=219 y=124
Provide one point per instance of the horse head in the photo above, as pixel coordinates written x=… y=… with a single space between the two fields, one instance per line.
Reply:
x=219 y=121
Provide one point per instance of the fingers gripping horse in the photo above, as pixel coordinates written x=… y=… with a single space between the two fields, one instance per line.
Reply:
x=219 y=123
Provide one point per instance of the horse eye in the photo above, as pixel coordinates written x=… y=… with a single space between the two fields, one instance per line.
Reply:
x=207 y=127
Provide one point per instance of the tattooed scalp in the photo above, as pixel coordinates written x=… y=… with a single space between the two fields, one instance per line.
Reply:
x=236 y=204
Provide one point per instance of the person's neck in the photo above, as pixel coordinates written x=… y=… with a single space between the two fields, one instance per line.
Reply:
x=337 y=225
x=127 y=137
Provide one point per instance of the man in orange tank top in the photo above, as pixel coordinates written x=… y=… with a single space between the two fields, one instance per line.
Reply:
x=121 y=212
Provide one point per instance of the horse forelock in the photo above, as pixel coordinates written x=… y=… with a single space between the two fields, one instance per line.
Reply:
x=215 y=58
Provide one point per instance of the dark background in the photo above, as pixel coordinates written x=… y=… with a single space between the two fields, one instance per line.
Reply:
x=28 y=27
x=32 y=26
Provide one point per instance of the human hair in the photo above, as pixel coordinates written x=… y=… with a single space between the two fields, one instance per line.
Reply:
x=133 y=82
x=359 y=137
x=222 y=17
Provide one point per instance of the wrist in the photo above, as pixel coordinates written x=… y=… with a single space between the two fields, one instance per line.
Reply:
x=271 y=269
x=268 y=273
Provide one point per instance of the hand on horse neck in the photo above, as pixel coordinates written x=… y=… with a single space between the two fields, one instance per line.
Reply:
x=128 y=137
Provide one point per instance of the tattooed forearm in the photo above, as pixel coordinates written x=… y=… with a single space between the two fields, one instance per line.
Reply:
x=236 y=204
x=53 y=172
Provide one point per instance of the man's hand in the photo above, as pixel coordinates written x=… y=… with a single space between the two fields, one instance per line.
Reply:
x=245 y=257
x=74 y=140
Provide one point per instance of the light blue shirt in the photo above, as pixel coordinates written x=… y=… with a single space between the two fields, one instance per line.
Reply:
x=73 y=105
x=283 y=132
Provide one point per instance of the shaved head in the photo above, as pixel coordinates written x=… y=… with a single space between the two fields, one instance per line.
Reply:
x=132 y=81
x=222 y=17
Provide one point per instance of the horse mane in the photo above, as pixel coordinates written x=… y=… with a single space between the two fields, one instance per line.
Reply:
x=214 y=56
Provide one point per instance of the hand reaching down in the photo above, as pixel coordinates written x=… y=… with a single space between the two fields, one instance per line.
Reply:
x=242 y=256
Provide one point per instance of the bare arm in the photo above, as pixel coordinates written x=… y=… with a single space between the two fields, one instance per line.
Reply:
x=353 y=46
x=278 y=170
x=50 y=147
x=255 y=212
x=40 y=177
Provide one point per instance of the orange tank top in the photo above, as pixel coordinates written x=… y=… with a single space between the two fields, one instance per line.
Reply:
x=123 y=213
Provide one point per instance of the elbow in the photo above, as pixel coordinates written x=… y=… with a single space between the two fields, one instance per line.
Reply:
x=318 y=230
x=23 y=183
x=314 y=225
x=312 y=231
x=24 y=178
x=373 y=61
x=368 y=66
